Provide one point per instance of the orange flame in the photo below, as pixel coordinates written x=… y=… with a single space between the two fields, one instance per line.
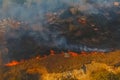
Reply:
x=73 y=54
x=13 y=63
x=94 y=53
x=83 y=53
x=52 y=52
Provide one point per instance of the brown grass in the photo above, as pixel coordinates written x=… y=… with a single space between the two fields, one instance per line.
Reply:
x=37 y=68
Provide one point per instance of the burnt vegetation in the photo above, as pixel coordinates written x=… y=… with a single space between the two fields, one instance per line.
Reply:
x=70 y=27
x=40 y=33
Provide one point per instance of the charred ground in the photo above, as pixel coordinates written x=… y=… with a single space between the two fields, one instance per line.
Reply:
x=61 y=29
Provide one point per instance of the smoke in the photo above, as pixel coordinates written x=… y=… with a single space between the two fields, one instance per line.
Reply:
x=34 y=34
x=28 y=10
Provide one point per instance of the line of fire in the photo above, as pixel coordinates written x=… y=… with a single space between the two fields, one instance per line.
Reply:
x=69 y=30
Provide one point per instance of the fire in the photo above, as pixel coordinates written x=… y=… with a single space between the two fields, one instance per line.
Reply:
x=13 y=63
x=84 y=53
x=52 y=52
x=74 y=54
x=94 y=53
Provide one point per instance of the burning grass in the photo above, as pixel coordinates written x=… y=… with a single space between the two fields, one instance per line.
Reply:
x=64 y=29
x=13 y=63
x=58 y=66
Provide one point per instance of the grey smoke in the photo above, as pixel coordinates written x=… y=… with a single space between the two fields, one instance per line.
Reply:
x=33 y=11
x=30 y=9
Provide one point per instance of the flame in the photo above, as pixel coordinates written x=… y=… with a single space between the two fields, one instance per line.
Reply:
x=52 y=52
x=74 y=54
x=93 y=53
x=83 y=53
x=13 y=63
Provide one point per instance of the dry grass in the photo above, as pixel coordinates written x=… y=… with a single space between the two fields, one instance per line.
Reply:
x=57 y=67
